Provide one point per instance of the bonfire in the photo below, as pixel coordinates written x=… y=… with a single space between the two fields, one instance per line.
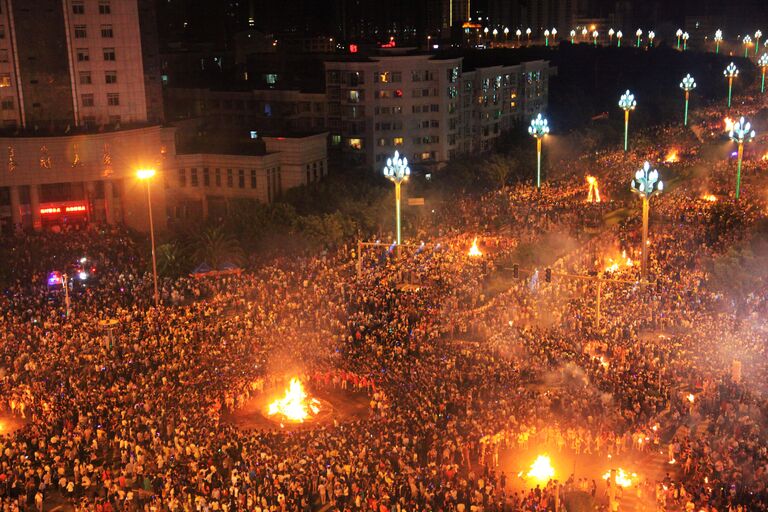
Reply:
x=672 y=157
x=622 y=478
x=474 y=252
x=295 y=406
x=542 y=469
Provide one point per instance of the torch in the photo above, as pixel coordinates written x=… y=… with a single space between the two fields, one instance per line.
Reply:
x=610 y=36
x=627 y=102
x=546 y=37
x=651 y=37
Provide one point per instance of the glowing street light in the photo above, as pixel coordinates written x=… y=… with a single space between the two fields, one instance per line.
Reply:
x=610 y=36
x=688 y=84
x=626 y=103
x=651 y=37
x=740 y=133
x=495 y=33
x=718 y=39
x=485 y=31
x=730 y=72
x=594 y=37
x=758 y=35
x=528 y=34
x=685 y=40
x=762 y=62
x=146 y=175
x=546 y=37
x=584 y=33
x=573 y=35
x=518 y=33
x=639 y=33
x=646 y=184
x=554 y=34
x=506 y=33
x=538 y=130
x=618 y=38
x=679 y=34
x=397 y=171
x=747 y=41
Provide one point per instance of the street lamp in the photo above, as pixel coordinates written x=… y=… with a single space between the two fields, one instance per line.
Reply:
x=718 y=39
x=758 y=35
x=528 y=35
x=538 y=130
x=651 y=37
x=618 y=38
x=627 y=102
x=685 y=40
x=638 y=34
x=518 y=33
x=679 y=34
x=610 y=36
x=730 y=72
x=146 y=175
x=740 y=133
x=573 y=35
x=594 y=37
x=554 y=34
x=762 y=63
x=506 y=34
x=747 y=41
x=688 y=84
x=397 y=171
x=584 y=34
x=646 y=184
x=495 y=33
x=546 y=37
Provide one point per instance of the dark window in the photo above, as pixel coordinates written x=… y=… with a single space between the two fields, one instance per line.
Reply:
x=241 y=178
x=105 y=8
x=85 y=78
x=230 y=182
x=206 y=177
x=109 y=54
x=78 y=8
x=106 y=31
x=193 y=177
x=7 y=103
x=110 y=77
x=182 y=177
x=113 y=99
x=82 y=55
x=253 y=178
x=80 y=32
x=87 y=100
x=218 y=177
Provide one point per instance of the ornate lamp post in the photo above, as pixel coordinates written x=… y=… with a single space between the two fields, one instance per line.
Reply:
x=626 y=103
x=146 y=175
x=651 y=37
x=554 y=34
x=546 y=37
x=639 y=33
x=518 y=33
x=610 y=36
x=718 y=39
x=687 y=85
x=679 y=34
x=618 y=38
x=594 y=37
x=573 y=35
x=495 y=33
x=762 y=62
x=538 y=130
x=584 y=34
x=747 y=41
x=685 y=40
x=740 y=133
x=646 y=184
x=730 y=72
x=397 y=171
x=758 y=35
x=528 y=35
x=506 y=34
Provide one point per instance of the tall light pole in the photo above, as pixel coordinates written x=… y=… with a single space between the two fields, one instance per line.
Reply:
x=554 y=35
x=528 y=35
x=639 y=33
x=146 y=175
x=546 y=37
x=595 y=34
x=584 y=34
x=646 y=184
x=573 y=35
x=758 y=35
x=618 y=38
x=610 y=36
x=718 y=39
x=687 y=85
x=740 y=133
x=538 y=130
x=651 y=37
x=397 y=171
x=747 y=41
x=518 y=33
x=730 y=72
x=506 y=34
x=679 y=34
x=762 y=62
x=495 y=34
x=627 y=102
x=685 y=40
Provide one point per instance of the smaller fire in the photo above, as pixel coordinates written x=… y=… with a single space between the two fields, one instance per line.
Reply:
x=612 y=267
x=542 y=469
x=622 y=478
x=672 y=156
x=709 y=197
x=764 y=157
x=728 y=124
x=691 y=398
x=474 y=252
x=593 y=196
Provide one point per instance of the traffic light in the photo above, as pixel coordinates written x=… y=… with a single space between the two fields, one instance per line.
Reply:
x=548 y=275
x=515 y=270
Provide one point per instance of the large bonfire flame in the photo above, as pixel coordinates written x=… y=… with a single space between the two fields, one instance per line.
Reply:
x=542 y=469
x=593 y=196
x=672 y=156
x=474 y=251
x=622 y=478
x=295 y=405
x=617 y=263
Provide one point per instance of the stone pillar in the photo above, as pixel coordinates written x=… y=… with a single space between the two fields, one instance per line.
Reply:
x=109 y=202
x=15 y=208
x=34 y=206
x=90 y=195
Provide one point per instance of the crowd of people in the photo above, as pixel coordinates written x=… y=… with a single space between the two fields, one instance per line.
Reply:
x=125 y=406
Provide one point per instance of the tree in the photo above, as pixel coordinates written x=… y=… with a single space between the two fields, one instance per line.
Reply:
x=497 y=169
x=215 y=246
x=171 y=260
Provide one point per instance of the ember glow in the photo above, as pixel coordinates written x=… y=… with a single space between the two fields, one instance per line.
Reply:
x=295 y=406
x=594 y=192
x=709 y=197
x=622 y=478
x=672 y=156
x=474 y=251
x=542 y=469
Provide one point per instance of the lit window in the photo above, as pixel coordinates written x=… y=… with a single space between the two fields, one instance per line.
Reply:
x=383 y=77
x=5 y=79
x=354 y=96
x=356 y=143
x=397 y=141
x=335 y=139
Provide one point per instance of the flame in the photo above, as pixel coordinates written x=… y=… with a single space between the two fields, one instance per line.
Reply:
x=604 y=362
x=594 y=192
x=294 y=406
x=672 y=156
x=764 y=157
x=612 y=268
x=542 y=469
x=691 y=398
x=474 y=251
x=728 y=124
x=709 y=197
x=622 y=478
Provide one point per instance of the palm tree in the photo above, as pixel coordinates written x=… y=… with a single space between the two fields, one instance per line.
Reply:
x=216 y=247
x=171 y=261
